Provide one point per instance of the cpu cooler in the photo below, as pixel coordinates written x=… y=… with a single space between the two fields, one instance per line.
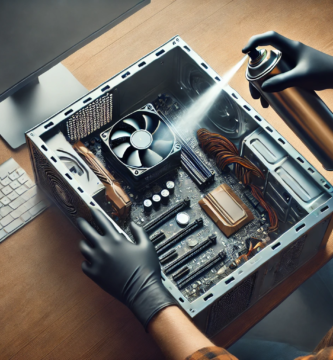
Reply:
x=141 y=147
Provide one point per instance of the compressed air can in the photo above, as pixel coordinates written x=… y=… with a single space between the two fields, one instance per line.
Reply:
x=302 y=110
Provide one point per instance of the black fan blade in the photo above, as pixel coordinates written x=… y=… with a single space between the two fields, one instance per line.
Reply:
x=120 y=134
x=151 y=125
x=121 y=149
x=133 y=123
x=162 y=147
x=150 y=158
x=134 y=159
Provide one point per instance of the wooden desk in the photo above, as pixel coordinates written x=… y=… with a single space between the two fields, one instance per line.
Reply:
x=48 y=308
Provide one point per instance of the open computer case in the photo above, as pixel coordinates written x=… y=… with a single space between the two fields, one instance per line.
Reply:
x=150 y=98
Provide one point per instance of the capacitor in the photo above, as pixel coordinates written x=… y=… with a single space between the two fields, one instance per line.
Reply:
x=170 y=185
x=182 y=219
x=165 y=196
x=147 y=205
x=156 y=201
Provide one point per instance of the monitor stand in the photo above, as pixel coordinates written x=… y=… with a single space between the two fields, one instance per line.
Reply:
x=47 y=95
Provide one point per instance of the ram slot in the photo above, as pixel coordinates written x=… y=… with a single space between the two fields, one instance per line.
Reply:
x=181 y=273
x=196 y=224
x=202 y=269
x=157 y=237
x=211 y=240
x=198 y=171
x=168 y=256
x=167 y=214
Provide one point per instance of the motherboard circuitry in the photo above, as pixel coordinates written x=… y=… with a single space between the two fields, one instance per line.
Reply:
x=215 y=260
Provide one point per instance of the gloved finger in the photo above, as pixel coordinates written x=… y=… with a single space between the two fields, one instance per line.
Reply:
x=88 y=231
x=254 y=92
x=264 y=103
x=87 y=269
x=270 y=38
x=87 y=251
x=139 y=234
x=105 y=224
x=281 y=81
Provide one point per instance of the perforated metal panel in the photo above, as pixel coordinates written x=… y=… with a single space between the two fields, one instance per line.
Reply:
x=91 y=118
x=230 y=305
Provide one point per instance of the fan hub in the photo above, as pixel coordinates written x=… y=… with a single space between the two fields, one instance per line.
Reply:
x=141 y=139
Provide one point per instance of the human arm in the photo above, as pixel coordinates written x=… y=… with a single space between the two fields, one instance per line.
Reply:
x=310 y=69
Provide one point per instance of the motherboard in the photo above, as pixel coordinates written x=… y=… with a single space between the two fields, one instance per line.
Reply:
x=194 y=253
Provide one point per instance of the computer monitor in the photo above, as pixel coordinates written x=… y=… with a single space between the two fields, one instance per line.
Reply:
x=35 y=36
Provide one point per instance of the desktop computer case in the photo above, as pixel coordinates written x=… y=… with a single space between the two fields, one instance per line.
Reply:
x=108 y=103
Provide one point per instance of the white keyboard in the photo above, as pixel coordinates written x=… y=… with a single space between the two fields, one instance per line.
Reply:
x=20 y=199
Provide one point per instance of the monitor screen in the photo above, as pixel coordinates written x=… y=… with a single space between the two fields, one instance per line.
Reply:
x=37 y=34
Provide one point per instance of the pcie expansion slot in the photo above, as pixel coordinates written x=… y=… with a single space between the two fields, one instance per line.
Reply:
x=167 y=214
x=179 y=235
x=211 y=240
x=202 y=269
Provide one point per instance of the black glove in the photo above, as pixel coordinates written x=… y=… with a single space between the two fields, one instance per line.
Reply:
x=311 y=69
x=129 y=272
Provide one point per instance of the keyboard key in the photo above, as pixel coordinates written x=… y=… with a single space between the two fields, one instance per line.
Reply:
x=25 y=216
x=24 y=178
x=13 y=176
x=5 y=200
x=20 y=171
x=7 y=190
x=6 y=220
x=36 y=209
x=29 y=184
x=1 y=195
x=3 y=234
x=16 y=203
x=14 y=185
x=6 y=181
x=22 y=189
x=5 y=210
x=19 y=211
x=30 y=193
x=13 y=195
x=8 y=167
x=34 y=200
x=14 y=225
x=1 y=186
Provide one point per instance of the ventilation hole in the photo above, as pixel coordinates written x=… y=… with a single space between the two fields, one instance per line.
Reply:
x=276 y=246
x=281 y=141
x=68 y=112
x=208 y=296
x=327 y=186
x=53 y=159
x=240 y=272
x=86 y=100
x=92 y=203
x=143 y=63
x=229 y=280
x=234 y=95
x=48 y=125
x=187 y=48
x=322 y=180
x=286 y=196
x=126 y=74
x=300 y=160
x=217 y=78
x=162 y=278
x=269 y=129
x=44 y=147
x=311 y=170
x=300 y=227
x=107 y=87
x=69 y=177
x=257 y=117
x=324 y=208
x=181 y=300
x=247 y=108
x=160 y=52
x=204 y=66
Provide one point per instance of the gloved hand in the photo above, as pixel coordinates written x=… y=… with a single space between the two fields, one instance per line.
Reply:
x=129 y=272
x=311 y=69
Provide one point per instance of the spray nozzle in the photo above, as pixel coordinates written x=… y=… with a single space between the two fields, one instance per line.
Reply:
x=254 y=54
x=257 y=56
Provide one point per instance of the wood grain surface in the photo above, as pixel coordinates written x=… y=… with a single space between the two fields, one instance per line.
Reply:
x=48 y=308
